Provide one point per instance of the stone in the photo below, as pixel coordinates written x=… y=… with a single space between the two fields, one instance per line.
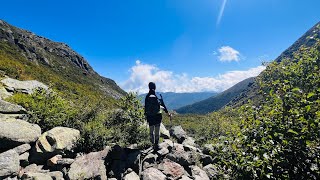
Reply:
x=212 y=171
x=4 y=93
x=56 y=175
x=9 y=163
x=132 y=176
x=22 y=148
x=57 y=140
x=24 y=156
x=207 y=149
x=14 y=132
x=199 y=174
x=206 y=159
x=65 y=161
x=189 y=141
x=164 y=132
x=178 y=133
x=184 y=177
x=182 y=157
x=9 y=108
x=153 y=174
x=23 y=86
x=171 y=169
x=89 y=166
x=149 y=161
x=37 y=176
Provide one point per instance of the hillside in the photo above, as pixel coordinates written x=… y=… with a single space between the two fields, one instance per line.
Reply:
x=176 y=100
x=25 y=55
x=216 y=102
x=307 y=40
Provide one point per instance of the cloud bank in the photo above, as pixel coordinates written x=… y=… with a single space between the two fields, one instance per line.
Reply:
x=167 y=81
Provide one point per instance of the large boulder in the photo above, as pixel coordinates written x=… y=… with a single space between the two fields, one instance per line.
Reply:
x=22 y=86
x=14 y=132
x=9 y=164
x=199 y=174
x=9 y=108
x=89 y=166
x=153 y=174
x=178 y=133
x=189 y=141
x=171 y=169
x=164 y=132
x=57 y=139
x=37 y=176
x=182 y=157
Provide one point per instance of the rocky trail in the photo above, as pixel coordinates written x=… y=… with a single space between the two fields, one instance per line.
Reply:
x=28 y=153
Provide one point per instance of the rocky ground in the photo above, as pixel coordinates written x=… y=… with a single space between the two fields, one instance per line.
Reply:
x=28 y=153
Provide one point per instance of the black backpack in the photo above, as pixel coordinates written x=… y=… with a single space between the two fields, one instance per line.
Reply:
x=152 y=105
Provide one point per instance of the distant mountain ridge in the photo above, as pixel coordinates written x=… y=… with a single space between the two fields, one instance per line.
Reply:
x=18 y=45
x=176 y=100
x=218 y=101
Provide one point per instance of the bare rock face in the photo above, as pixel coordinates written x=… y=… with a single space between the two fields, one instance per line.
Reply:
x=23 y=86
x=178 y=133
x=199 y=174
x=89 y=166
x=153 y=174
x=14 y=132
x=131 y=176
x=9 y=164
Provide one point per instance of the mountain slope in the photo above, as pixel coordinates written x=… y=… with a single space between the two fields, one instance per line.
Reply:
x=307 y=40
x=25 y=55
x=177 y=100
x=216 y=102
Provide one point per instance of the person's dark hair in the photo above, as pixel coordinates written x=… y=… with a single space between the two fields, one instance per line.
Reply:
x=152 y=85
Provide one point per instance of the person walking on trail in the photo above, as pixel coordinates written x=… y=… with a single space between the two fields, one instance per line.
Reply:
x=153 y=106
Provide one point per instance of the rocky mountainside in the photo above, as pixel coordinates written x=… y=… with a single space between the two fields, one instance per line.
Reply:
x=218 y=101
x=177 y=100
x=57 y=58
x=26 y=152
x=309 y=39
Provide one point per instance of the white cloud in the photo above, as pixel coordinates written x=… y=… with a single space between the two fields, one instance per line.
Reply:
x=228 y=54
x=167 y=81
x=221 y=11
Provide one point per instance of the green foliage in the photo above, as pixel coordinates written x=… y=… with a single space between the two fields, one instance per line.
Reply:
x=47 y=109
x=280 y=137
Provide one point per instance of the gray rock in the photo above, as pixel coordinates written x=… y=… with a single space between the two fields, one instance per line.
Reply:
x=182 y=157
x=199 y=174
x=132 y=176
x=57 y=139
x=56 y=175
x=24 y=156
x=164 y=132
x=189 y=141
x=184 y=177
x=149 y=161
x=4 y=93
x=9 y=163
x=23 y=86
x=89 y=166
x=9 y=108
x=14 y=132
x=37 y=176
x=171 y=169
x=212 y=171
x=178 y=133
x=207 y=149
x=153 y=174
x=22 y=148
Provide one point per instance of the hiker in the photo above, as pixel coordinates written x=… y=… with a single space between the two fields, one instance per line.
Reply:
x=153 y=114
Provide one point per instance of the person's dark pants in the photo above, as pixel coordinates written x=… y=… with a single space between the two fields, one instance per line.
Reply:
x=154 y=134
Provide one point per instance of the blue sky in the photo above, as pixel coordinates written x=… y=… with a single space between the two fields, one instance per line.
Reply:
x=182 y=45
